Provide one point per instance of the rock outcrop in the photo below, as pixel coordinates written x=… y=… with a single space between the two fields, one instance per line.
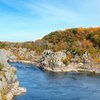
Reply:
x=7 y=54
x=9 y=85
x=61 y=61
x=52 y=61
x=23 y=54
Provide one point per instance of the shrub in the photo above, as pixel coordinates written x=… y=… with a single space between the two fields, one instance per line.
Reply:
x=67 y=59
x=39 y=50
x=97 y=60
x=1 y=66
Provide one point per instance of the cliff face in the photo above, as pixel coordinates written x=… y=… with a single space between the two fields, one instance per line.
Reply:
x=9 y=85
x=56 y=62
x=52 y=61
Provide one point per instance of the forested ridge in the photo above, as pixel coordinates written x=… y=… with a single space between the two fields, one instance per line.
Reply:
x=74 y=40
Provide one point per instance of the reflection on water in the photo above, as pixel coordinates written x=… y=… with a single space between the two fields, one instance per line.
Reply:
x=56 y=86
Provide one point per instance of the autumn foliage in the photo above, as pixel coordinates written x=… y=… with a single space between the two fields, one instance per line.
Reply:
x=75 y=40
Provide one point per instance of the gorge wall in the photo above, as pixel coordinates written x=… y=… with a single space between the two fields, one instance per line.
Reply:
x=9 y=85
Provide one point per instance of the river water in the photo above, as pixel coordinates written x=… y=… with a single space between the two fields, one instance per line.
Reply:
x=56 y=86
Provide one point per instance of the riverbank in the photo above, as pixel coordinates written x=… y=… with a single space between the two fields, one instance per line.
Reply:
x=72 y=67
x=15 y=90
x=22 y=61
x=59 y=62
x=62 y=61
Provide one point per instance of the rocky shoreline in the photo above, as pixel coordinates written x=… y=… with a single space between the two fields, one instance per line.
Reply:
x=53 y=61
x=9 y=85
x=72 y=67
x=15 y=90
x=48 y=61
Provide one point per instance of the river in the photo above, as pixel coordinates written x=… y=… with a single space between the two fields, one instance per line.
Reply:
x=56 y=86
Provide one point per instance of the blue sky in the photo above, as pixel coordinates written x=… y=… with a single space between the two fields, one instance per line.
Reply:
x=26 y=20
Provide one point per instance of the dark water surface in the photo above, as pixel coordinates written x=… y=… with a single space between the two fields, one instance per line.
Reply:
x=56 y=86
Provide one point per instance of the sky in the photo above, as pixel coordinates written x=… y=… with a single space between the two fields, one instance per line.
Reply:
x=28 y=20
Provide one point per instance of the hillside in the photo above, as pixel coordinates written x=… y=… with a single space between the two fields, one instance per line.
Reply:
x=74 y=40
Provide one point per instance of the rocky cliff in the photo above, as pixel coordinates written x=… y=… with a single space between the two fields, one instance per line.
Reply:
x=9 y=85
x=52 y=61
x=56 y=62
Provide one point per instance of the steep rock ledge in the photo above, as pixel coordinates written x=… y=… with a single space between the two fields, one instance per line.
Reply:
x=9 y=85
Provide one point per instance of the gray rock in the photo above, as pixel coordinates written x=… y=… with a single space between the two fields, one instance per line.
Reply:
x=3 y=58
x=52 y=59
x=25 y=54
x=86 y=57
x=75 y=59
x=7 y=75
